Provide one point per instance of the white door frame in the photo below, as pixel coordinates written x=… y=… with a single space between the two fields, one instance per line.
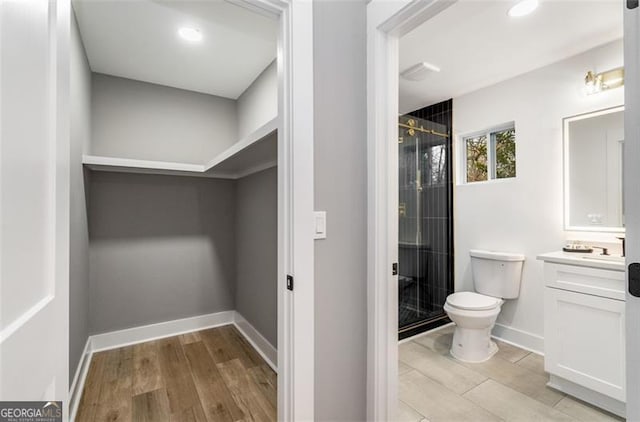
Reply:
x=295 y=205
x=632 y=200
x=386 y=23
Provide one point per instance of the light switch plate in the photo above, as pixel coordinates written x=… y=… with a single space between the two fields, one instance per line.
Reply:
x=320 y=225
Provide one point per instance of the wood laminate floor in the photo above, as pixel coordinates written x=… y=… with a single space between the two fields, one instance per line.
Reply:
x=204 y=376
x=511 y=386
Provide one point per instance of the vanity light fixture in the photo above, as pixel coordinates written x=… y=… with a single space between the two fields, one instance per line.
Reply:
x=190 y=34
x=523 y=8
x=593 y=83
x=597 y=82
x=419 y=72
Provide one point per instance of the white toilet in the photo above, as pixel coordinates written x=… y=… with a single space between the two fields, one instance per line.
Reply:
x=496 y=276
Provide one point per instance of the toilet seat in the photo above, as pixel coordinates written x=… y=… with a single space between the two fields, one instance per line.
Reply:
x=472 y=301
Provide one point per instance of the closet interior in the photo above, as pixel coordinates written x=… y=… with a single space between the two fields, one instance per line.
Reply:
x=174 y=195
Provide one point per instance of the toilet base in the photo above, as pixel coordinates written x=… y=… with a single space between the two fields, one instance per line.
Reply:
x=472 y=345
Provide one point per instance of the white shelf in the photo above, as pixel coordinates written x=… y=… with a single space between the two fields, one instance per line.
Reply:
x=254 y=153
x=128 y=165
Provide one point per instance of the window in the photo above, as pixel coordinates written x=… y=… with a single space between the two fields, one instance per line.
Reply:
x=434 y=165
x=476 y=158
x=490 y=155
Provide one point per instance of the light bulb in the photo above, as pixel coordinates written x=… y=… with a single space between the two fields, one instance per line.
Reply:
x=523 y=8
x=190 y=34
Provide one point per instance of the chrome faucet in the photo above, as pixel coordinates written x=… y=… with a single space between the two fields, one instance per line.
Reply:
x=605 y=251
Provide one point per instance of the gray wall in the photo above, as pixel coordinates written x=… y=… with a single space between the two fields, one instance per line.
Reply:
x=257 y=252
x=79 y=238
x=133 y=119
x=161 y=248
x=259 y=102
x=341 y=190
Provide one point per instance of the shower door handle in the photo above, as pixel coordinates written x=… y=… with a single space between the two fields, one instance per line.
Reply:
x=394 y=268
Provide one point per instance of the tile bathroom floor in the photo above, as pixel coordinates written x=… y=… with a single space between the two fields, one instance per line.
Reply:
x=509 y=387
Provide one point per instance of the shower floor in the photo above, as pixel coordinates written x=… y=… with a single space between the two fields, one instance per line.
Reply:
x=414 y=308
x=409 y=314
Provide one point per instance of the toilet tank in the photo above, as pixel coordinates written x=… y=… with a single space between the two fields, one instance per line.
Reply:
x=497 y=274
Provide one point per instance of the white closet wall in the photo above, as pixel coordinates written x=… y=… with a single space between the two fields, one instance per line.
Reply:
x=79 y=238
x=256 y=251
x=257 y=216
x=133 y=119
x=259 y=102
x=161 y=248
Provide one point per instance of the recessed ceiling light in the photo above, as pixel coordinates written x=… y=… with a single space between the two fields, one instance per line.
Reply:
x=190 y=34
x=523 y=8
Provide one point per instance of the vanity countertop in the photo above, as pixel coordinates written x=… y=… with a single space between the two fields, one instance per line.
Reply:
x=593 y=260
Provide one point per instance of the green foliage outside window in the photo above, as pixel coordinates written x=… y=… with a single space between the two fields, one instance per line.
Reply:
x=505 y=143
x=491 y=155
x=476 y=159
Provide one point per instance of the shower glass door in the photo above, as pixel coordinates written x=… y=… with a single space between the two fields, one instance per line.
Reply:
x=425 y=224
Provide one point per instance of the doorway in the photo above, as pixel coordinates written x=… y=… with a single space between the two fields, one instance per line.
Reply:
x=42 y=28
x=387 y=25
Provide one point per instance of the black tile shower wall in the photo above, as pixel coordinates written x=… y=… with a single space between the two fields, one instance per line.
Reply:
x=437 y=113
x=426 y=219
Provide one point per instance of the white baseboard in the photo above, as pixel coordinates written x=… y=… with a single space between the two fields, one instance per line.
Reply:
x=513 y=336
x=135 y=335
x=408 y=339
x=121 y=338
x=585 y=394
x=79 y=378
x=261 y=344
x=523 y=339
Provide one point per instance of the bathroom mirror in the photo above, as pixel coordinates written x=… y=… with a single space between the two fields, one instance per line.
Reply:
x=593 y=152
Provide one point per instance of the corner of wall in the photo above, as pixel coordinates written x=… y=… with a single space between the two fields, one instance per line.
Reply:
x=258 y=104
x=80 y=98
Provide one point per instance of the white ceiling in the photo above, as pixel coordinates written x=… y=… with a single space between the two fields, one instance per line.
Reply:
x=476 y=44
x=137 y=39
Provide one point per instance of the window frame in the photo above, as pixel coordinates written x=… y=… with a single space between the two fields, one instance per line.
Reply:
x=489 y=134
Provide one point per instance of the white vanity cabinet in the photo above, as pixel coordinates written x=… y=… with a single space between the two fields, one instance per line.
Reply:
x=584 y=324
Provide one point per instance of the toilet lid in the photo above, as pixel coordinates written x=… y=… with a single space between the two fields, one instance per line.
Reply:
x=472 y=301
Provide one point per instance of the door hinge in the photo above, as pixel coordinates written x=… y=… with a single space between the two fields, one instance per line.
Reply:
x=632 y=4
x=289 y=282
x=634 y=279
x=394 y=268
